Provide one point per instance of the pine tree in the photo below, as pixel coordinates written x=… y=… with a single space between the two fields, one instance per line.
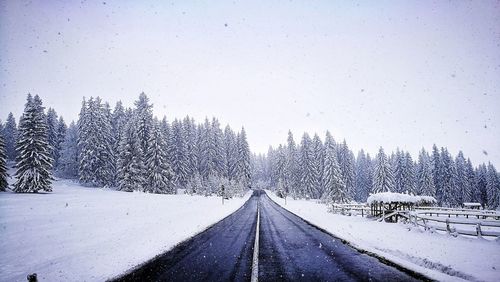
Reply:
x=470 y=193
x=383 y=177
x=131 y=168
x=461 y=179
x=230 y=153
x=144 y=120
x=60 y=137
x=309 y=175
x=481 y=184
x=10 y=135
x=425 y=181
x=492 y=187
x=3 y=162
x=118 y=121
x=364 y=176
x=336 y=191
x=318 y=159
x=178 y=154
x=398 y=168
x=68 y=162
x=292 y=170
x=217 y=149
x=436 y=167
x=346 y=162
x=446 y=175
x=408 y=182
x=95 y=144
x=243 y=163
x=52 y=137
x=158 y=169
x=205 y=153
x=189 y=128
x=33 y=161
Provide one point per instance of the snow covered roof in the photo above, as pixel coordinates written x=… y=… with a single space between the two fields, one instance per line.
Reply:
x=472 y=204
x=390 y=197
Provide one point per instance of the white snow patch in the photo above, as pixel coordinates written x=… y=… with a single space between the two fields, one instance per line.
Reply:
x=439 y=256
x=91 y=234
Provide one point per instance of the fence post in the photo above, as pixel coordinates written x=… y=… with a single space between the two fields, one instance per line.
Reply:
x=448 y=226
x=425 y=224
x=478 y=230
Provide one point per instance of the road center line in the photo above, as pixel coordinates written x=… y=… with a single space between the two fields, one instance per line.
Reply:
x=255 y=263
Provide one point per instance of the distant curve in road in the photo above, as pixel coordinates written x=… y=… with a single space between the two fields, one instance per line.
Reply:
x=290 y=249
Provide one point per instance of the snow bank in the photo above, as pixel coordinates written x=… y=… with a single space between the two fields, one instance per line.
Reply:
x=390 y=197
x=439 y=256
x=89 y=234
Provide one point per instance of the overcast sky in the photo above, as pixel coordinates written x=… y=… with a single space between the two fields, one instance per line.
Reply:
x=393 y=74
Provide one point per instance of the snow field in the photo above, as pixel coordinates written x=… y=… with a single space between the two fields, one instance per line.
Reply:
x=90 y=234
x=438 y=256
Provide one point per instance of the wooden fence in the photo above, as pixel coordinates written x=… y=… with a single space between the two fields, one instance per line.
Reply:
x=457 y=221
x=453 y=221
x=351 y=209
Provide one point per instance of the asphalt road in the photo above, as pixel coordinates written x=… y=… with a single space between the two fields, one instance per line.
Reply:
x=290 y=250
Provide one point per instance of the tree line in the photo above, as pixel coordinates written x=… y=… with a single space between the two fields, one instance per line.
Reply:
x=330 y=171
x=126 y=148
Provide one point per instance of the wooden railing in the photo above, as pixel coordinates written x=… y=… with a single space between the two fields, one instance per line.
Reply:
x=351 y=209
x=453 y=221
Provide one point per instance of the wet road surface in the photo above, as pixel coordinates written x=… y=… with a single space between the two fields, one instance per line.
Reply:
x=290 y=249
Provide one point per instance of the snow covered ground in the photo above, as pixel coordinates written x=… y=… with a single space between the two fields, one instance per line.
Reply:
x=439 y=256
x=90 y=234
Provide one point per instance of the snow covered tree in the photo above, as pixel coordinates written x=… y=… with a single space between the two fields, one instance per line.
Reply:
x=481 y=184
x=68 y=161
x=178 y=154
x=159 y=173
x=3 y=162
x=446 y=174
x=461 y=180
x=492 y=187
x=131 y=168
x=118 y=121
x=95 y=144
x=292 y=169
x=243 y=163
x=309 y=171
x=425 y=181
x=436 y=167
x=230 y=153
x=144 y=120
x=190 y=132
x=336 y=191
x=364 y=176
x=33 y=161
x=60 y=137
x=195 y=186
x=205 y=159
x=408 y=181
x=470 y=192
x=346 y=161
x=383 y=178
x=397 y=164
x=318 y=158
x=52 y=137
x=10 y=135
x=280 y=165
x=216 y=148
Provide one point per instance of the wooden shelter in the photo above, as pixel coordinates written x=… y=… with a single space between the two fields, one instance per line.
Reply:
x=390 y=207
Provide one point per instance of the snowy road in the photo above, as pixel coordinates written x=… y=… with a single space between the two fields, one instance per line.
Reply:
x=222 y=253
x=290 y=249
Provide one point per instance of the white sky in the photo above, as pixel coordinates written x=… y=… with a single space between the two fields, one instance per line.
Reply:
x=405 y=74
